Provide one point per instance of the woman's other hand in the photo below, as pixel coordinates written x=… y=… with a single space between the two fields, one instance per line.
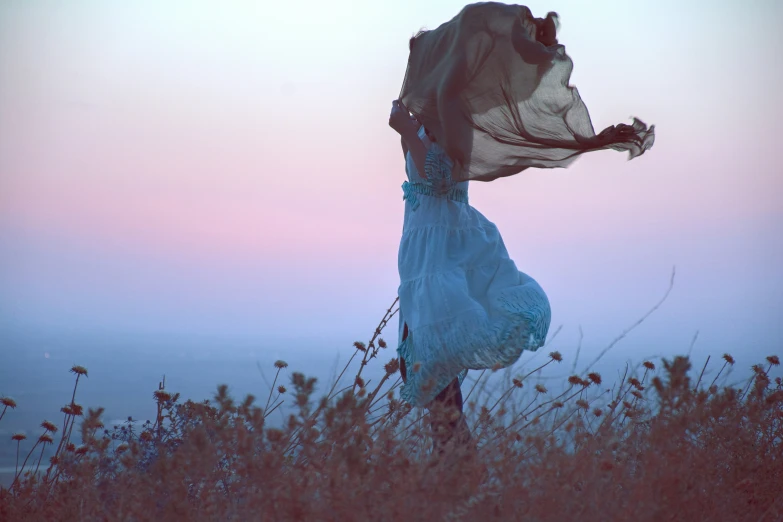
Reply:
x=400 y=119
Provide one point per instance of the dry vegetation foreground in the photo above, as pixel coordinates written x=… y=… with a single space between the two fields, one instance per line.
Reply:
x=661 y=444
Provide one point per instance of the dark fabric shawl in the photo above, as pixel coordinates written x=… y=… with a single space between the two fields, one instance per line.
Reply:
x=491 y=86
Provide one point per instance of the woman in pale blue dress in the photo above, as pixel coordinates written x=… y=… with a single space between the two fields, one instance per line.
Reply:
x=493 y=85
x=464 y=305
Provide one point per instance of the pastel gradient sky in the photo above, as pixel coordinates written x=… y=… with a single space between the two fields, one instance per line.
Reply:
x=226 y=169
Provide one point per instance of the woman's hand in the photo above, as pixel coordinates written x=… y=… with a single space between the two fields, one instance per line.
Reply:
x=400 y=119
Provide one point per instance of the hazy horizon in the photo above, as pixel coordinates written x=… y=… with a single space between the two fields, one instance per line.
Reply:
x=220 y=179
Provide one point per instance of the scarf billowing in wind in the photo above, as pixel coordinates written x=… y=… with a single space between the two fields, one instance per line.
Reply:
x=491 y=85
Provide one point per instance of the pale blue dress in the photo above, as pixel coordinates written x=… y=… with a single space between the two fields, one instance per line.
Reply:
x=465 y=303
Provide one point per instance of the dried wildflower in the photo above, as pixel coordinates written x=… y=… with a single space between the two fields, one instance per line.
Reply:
x=557 y=404
x=45 y=438
x=648 y=365
x=555 y=356
x=281 y=364
x=574 y=380
x=67 y=409
x=79 y=370
x=281 y=389
x=581 y=403
x=122 y=447
x=713 y=389
x=145 y=436
x=77 y=410
x=757 y=369
x=49 y=426
x=598 y=412
x=627 y=404
x=728 y=358
x=70 y=447
x=636 y=394
x=8 y=402
x=18 y=436
x=161 y=396
x=778 y=381
x=359 y=381
x=594 y=377
x=540 y=388
x=81 y=450
x=381 y=343
x=633 y=381
x=274 y=435
x=360 y=346
x=392 y=366
x=773 y=360
x=362 y=392
x=517 y=382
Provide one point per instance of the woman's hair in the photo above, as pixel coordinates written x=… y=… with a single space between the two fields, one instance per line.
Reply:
x=546 y=30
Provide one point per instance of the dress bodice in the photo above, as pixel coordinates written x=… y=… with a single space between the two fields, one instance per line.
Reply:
x=437 y=183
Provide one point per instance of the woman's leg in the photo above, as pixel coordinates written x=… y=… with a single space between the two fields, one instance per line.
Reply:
x=447 y=420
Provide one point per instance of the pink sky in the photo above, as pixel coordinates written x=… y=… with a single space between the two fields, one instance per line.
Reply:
x=230 y=169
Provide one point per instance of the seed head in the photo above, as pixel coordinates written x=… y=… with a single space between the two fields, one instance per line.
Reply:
x=583 y=404
x=360 y=346
x=161 y=396
x=274 y=435
x=648 y=365
x=18 y=436
x=728 y=358
x=122 y=447
x=773 y=360
x=540 y=388
x=45 y=438
x=381 y=343
x=67 y=409
x=574 y=380
x=359 y=382
x=636 y=394
x=49 y=426
x=517 y=382
x=557 y=404
x=627 y=404
x=594 y=377
x=79 y=370
x=281 y=389
x=392 y=366
x=70 y=447
x=81 y=450
x=555 y=356
x=77 y=409
x=8 y=402
x=633 y=381
x=757 y=369
x=281 y=364
x=597 y=412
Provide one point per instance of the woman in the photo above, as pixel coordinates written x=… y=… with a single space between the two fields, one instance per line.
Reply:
x=463 y=303
x=486 y=95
